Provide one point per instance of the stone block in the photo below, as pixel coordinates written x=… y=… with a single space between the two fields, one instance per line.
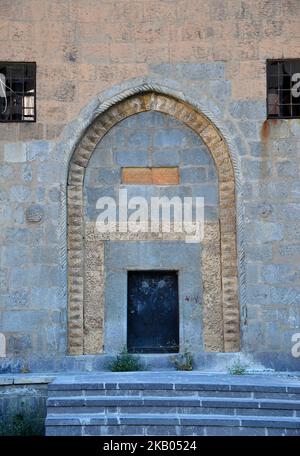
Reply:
x=259 y=252
x=211 y=70
x=256 y=169
x=171 y=191
x=132 y=158
x=275 y=190
x=165 y=176
x=192 y=71
x=137 y=176
x=263 y=231
x=289 y=250
x=280 y=273
x=102 y=155
x=170 y=137
x=255 y=149
x=172 y=254
x=17 y=235
x=92 y=194
x=45 y=255
x=15 y=152
x=251 y=273
x=34 y=213
x=50 y=172
x=287 y=169
x=255 y=110
x=258 y=294
x=16 y=255
x=292 y=231
x=54 y=194
x=288 y=212
x=20 y=193
x=250 y=129
x=149 y=120
x=196 y=156
x=18 y=299
x=295 y=190
x=107 y=176
x=118 y=137
x=40 y=193
x=66 y=431
x=6 y=172
x=38 y=150
x=193 y=175
x=138 y=139
x=294 y=127
x=26 y=173
x=4 y=279
x=18 y=320
x=209 y=192
x=284 y=295
x=165 y=158
x=44 y=276
x=221 y=90
x=19 y=344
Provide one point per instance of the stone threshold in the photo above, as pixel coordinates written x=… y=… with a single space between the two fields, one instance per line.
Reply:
x=198 y=376
x=27 y=379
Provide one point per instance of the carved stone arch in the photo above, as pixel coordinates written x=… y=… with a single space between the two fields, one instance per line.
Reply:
x=218 y=148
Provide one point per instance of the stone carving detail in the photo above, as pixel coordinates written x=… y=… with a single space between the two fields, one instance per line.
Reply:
x=34 y=213
x=83 y=324
x=94 y=283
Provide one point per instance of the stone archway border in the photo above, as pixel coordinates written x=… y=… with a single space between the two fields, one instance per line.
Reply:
x=152 y=101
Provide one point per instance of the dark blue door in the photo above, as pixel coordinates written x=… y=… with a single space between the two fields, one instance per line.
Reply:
x=153 y=312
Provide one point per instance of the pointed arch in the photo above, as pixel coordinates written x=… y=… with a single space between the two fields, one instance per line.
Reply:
x=182 y=111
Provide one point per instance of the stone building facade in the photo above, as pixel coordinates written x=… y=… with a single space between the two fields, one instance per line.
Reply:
x=152 y=85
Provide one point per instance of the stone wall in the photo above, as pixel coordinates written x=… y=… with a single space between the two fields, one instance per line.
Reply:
x=211 y=52
x=23 y=404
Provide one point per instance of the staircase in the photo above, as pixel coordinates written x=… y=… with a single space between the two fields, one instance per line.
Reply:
x=173 y=403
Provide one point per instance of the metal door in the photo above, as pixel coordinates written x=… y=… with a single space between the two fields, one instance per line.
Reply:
x=153 y=312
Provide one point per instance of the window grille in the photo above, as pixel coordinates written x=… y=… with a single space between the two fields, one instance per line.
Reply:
x=283 y=88
x=17 y=92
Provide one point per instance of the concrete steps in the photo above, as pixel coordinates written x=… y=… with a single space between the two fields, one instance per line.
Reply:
x=172 y=404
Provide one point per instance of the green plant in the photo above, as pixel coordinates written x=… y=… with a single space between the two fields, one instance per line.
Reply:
x=25 y=369
x=126 y=362
x=21 y=425
x=183 y=361
x=237 y=367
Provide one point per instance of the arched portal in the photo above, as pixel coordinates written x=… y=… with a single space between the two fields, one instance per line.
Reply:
x=85 y=323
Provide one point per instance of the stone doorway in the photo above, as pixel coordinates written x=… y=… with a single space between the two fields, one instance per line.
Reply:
x=91 y=317
x=153 y=312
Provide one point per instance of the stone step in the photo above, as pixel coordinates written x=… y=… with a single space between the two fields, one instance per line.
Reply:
x=124 y=430
x=168 y=424
x=175 y=389
x=203 y=405
x=174 y=393
x=150 y=403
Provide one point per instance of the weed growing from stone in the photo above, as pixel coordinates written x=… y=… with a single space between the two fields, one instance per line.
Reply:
x=183 y=361
x=237 y=368
x=126 y=362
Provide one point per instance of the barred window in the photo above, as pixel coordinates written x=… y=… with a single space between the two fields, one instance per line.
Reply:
x=17 y=92
x=283 y=88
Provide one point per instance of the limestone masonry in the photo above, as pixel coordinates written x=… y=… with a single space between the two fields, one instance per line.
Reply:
x=162 y=98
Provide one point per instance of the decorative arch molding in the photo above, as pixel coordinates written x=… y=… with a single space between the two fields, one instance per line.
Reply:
x=104 y=119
